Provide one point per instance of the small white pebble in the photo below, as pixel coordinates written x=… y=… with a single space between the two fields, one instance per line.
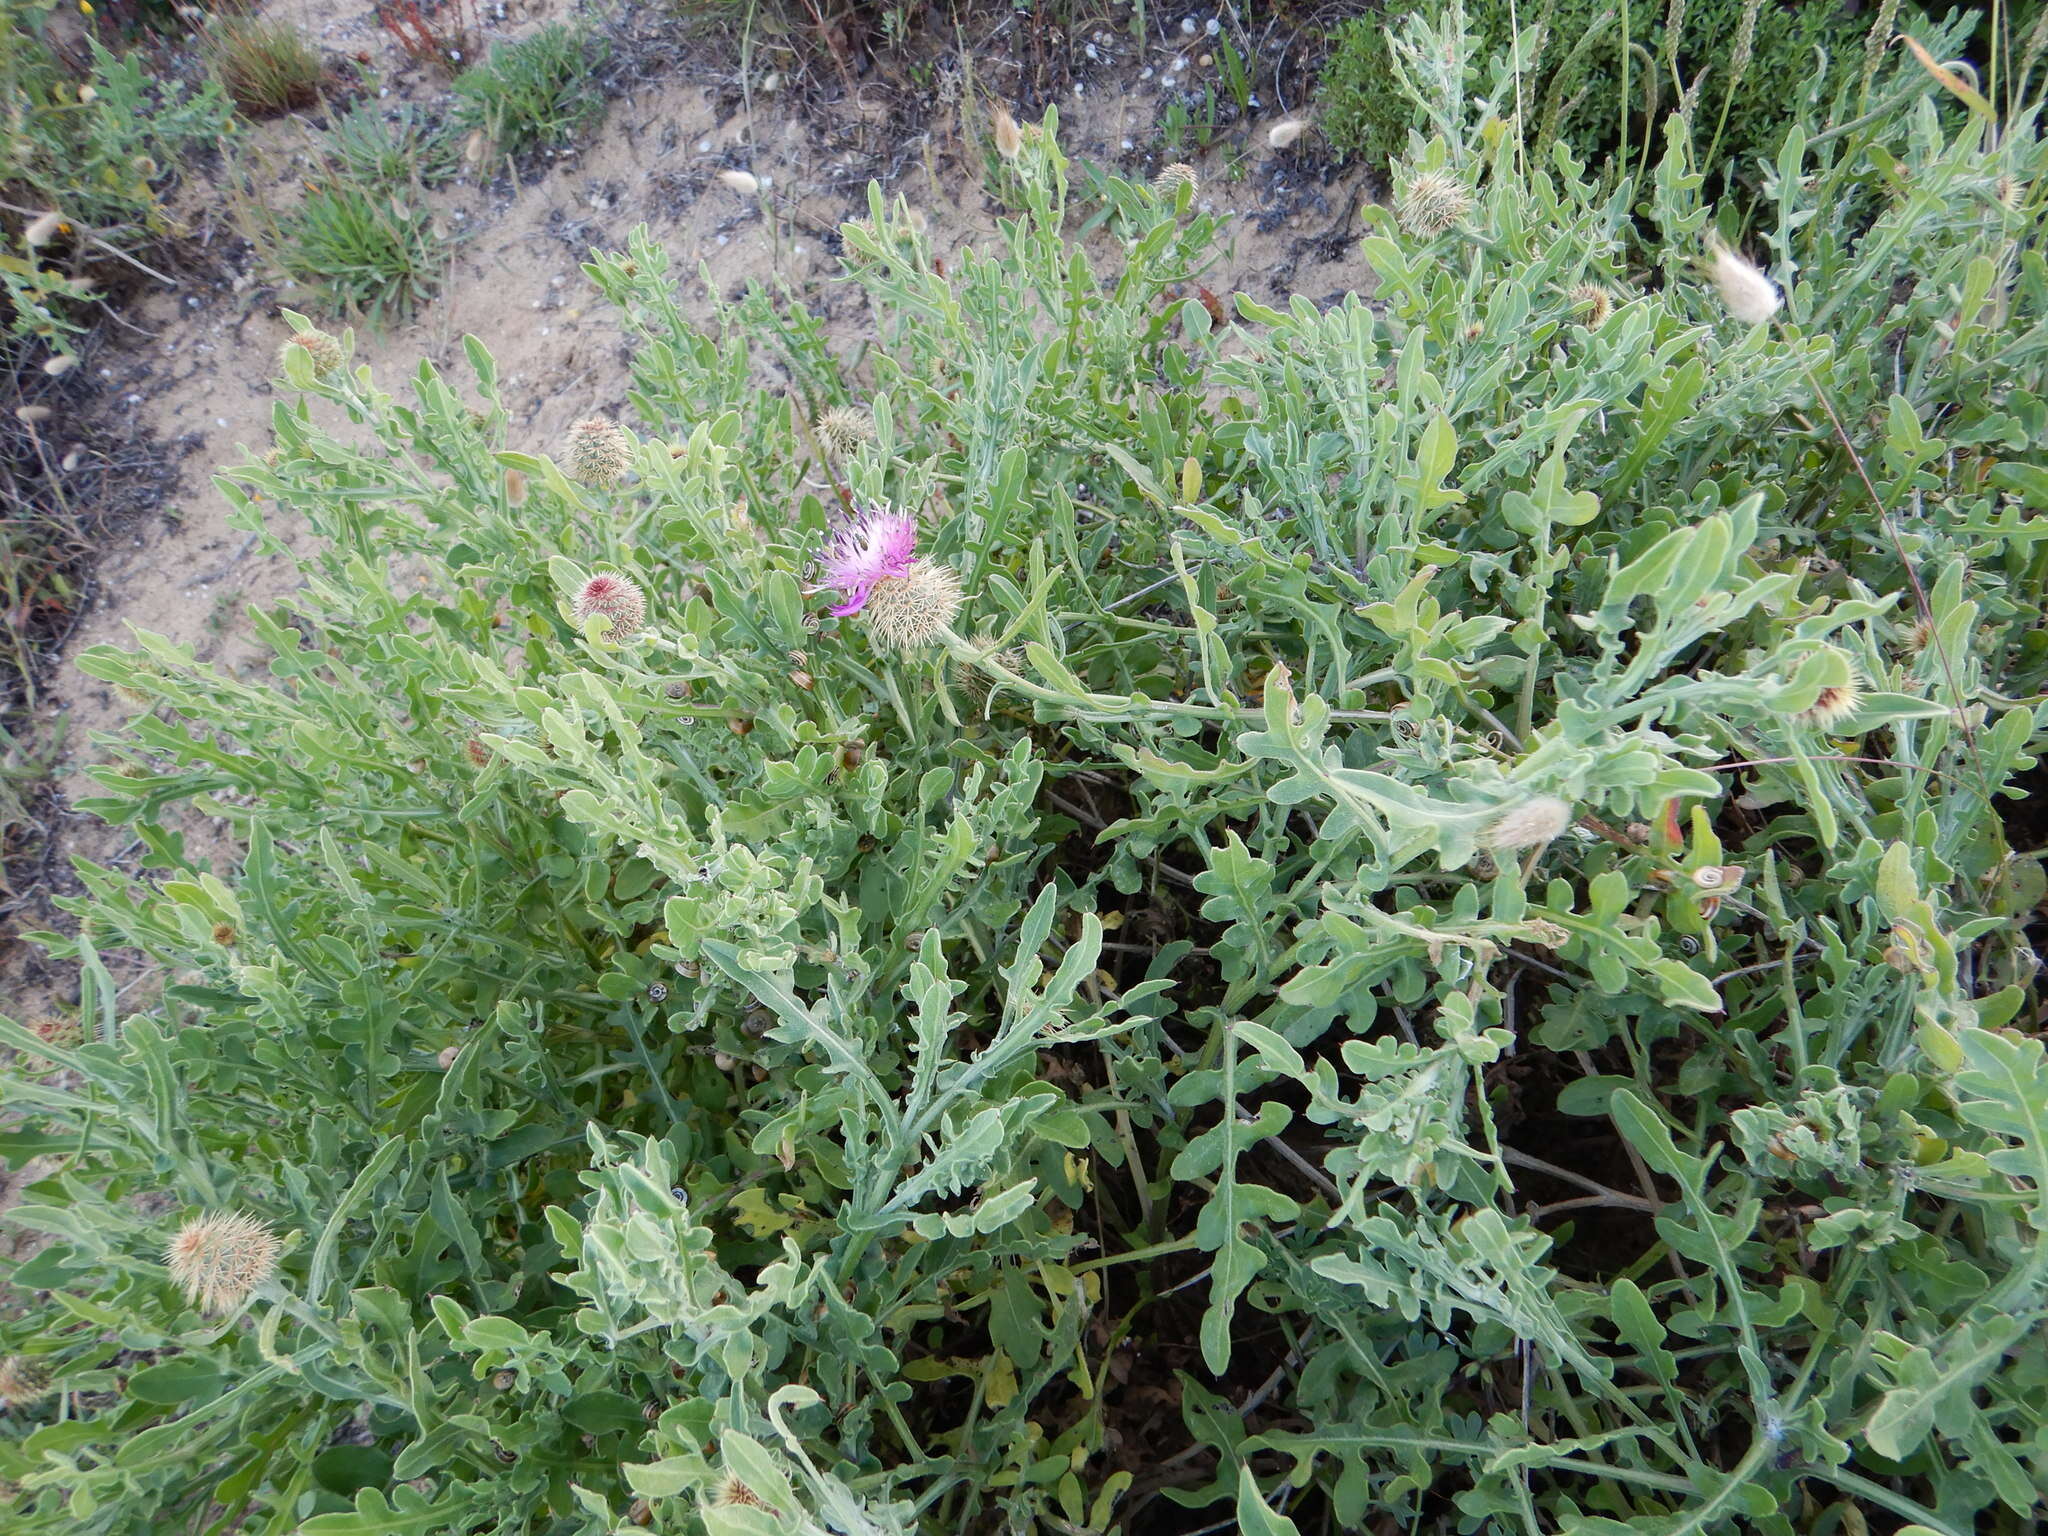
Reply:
x=536 y=303
x=220 y=421
x=1077 y=88
x=1145 y=73
x=1129 y=145
x=557 y=281
x=1212 y=26
x=721 y=239
x=543 y=330
x=135 y=399
x=1187 y=26
x=1093 y=56
x=703 y=146
x=1179 y=65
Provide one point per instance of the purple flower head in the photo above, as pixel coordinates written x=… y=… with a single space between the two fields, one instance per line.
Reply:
x=876 y=543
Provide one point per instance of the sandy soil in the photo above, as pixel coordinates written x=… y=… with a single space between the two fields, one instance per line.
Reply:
x=202 y=386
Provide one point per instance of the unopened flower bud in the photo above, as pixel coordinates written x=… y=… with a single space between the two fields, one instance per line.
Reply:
x=322 y=350
x=599 y=453
x=1431 y=202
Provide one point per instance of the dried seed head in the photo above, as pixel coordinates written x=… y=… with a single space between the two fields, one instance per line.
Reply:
x=1920 y=636
x=1529 y=825
x=479 y=755
x=743 y=182
x=1172 y=178
x=445 y=1057
x=732 y=1491
x=599 y=453
x=218 y=1259
x=515 y=488
x=61 y=364
x=614 y=597
x=43 y=228
x=224 y=933
x=1009 y=137
x=322 y=351
x=845 y=429
x=22 y=1382
x=1749 y=296
x=906 y=612
x=1592 y=303
x=1283 y=134
x=1431 y=202
x=1833 y=704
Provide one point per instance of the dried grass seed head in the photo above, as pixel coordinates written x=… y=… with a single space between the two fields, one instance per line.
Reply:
x=1008 y=136
x=1746 y=293
x=1172 y=178
x=1528 y=825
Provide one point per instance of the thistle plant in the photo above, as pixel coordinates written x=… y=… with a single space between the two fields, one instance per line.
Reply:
x=1468 y=969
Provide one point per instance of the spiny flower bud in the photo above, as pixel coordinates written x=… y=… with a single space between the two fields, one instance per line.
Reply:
x=912 y=610
x=1749 y=296
x=322 y=351
x=1529 y=825
x=1592 y=303
x=617 y=598
x=1009 y=137
x=1431 y=202
x=220 y=1258
x=1172 y=178
x=599 y=453
x=1833 y=704
x=22 y=1382
x=845 y=429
